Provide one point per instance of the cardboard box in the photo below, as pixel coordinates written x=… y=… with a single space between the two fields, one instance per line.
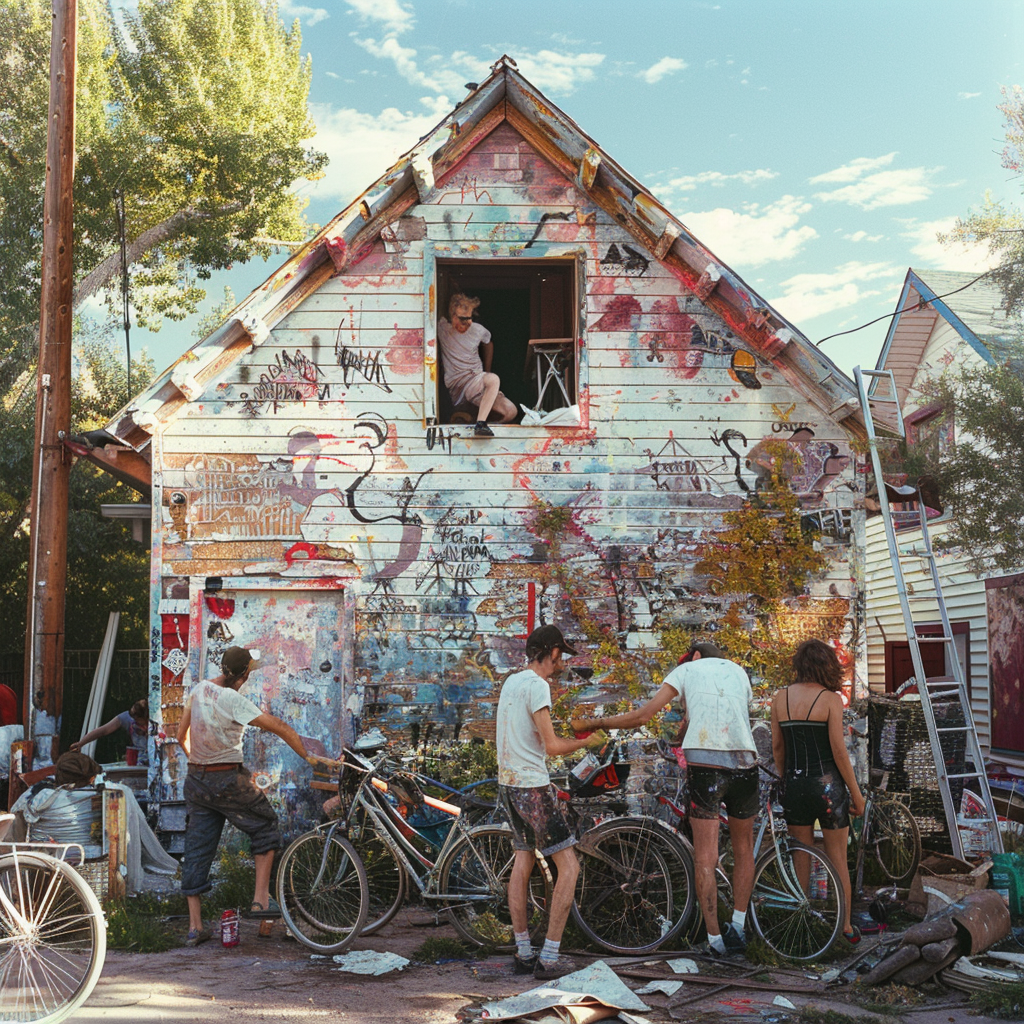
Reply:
x=941 y=880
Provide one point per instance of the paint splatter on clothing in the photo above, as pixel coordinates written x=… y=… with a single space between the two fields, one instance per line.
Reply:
x=521 y=756
x=537 y=819
x=712 y=787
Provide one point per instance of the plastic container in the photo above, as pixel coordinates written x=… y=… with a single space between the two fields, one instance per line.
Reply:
x=819 y=881
x=229 y=928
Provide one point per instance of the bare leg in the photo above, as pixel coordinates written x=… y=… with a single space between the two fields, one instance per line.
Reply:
x=565 y=889
x=519 y=889
x=264 y=862
x=491 y=385
x=195 y=913
x=705 y=860
x=801 y=862
x=505 y=409
x=741 y=833
x=835 y=849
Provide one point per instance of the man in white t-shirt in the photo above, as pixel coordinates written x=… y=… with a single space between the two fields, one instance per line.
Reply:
x=219 y=788
x=524 y=736
x=721 y=758
x=467 y=351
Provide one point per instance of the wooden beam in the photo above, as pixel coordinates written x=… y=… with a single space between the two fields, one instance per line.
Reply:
x=668 y=236
x=115 y=841
x=588 y=168
x=124 y=464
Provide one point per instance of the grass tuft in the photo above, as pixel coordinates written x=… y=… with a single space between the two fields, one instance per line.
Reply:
x=136 y=932
x=889 y=1000
x=1004 y=1000
x=441 y=948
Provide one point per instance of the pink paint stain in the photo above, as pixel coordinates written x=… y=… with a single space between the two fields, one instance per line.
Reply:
x=676 y=329
x=623 y=314
x=405 y=351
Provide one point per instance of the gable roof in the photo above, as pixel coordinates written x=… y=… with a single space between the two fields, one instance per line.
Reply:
x=505 y=96
x=974 y=308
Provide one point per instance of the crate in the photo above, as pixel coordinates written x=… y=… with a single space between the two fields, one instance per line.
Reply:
x=96 y=873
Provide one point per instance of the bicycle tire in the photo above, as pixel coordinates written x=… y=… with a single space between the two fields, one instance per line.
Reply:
x=324 y=900
x=635 y=890
x=473 y=880
x=385 y=873
x=784 y=916
x=895 y=840
x=50 y=960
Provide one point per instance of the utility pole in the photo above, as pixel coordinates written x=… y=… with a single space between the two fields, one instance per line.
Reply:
x=47 y=568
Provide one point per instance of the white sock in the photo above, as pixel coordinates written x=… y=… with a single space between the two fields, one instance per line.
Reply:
x=739 y=920
x=717 y=942
x=523 y=945
x=549 y=951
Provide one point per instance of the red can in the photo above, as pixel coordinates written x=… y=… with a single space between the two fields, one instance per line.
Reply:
x=229 y=928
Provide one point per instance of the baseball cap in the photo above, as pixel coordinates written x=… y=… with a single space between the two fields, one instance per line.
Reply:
x=237 y=659
x=546 y=638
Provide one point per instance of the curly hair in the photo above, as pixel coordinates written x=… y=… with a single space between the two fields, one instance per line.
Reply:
x=140 y=709
x=460 y=301
x=816 y=662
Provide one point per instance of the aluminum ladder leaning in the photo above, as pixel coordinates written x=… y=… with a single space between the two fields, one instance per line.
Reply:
x=929 y=688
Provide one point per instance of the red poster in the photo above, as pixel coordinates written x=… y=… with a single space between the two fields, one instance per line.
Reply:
x=1005 y=599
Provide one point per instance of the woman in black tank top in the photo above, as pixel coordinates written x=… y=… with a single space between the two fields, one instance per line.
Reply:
x=818 y=783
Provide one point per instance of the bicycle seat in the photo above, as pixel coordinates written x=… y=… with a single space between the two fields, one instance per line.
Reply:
x=405 y=790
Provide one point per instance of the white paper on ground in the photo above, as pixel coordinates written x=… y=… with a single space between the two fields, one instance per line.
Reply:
x=366 y=961
x=783 y=1001
x=684 y=966
x=669 y=988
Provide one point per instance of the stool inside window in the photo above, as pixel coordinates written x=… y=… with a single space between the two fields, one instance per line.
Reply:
x=553 y=365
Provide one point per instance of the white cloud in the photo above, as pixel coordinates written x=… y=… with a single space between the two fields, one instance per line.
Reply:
x=932 y=253
x=307 y=15
x=853 y=170
x=331 y=74
x=363 y=146
x=394 y=16
x=757 y=235
x=805 y=296
x=886 y=188
x=403 y=57
x=666 y=66
x=967 y=95
x=688 y=182
x=863 y=236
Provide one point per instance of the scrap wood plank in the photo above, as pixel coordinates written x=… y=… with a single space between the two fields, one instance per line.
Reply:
x=744 y=980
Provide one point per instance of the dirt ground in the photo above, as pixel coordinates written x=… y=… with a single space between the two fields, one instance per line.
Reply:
x=276 y=979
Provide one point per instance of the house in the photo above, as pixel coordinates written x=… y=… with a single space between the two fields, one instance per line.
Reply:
x=314 y=496
x=943 y=319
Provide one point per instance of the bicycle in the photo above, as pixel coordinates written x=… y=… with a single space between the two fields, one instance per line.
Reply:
x=53 y=937
x=324 y=889
x=890 y=831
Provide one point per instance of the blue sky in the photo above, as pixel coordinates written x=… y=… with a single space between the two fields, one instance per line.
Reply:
x=816 y=147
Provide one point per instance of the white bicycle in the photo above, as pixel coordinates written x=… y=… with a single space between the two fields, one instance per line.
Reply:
x=53 y=936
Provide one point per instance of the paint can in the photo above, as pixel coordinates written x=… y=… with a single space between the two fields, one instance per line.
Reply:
x=229 y=928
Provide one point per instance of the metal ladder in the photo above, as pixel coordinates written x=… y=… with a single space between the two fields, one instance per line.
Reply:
x=929 y=688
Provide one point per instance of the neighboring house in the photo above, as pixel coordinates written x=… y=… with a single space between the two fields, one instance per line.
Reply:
x=313 y=499
x=928 y=335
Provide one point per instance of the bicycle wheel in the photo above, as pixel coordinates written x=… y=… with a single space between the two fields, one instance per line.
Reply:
x=322 y=889
x=895 y=840
x=798 y=925
x=473 y=879
x=53 y=939
x=635 y=889
x=385 y=873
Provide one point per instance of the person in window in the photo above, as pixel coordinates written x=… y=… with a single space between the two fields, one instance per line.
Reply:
x=467 y=352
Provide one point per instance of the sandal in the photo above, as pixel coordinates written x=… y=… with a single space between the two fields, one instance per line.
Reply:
x=853 y=935
x=261 y=913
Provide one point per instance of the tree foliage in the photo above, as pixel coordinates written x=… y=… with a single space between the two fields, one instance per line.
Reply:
x=999 y=226
x=193 y=118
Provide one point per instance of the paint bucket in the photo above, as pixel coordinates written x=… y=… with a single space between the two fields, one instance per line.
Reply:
x=131 y=757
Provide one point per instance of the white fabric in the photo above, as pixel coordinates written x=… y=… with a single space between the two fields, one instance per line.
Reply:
x=144 y=852
x=521 y=758
x=219 y=717
x=8 y=734
x=717 y=696
x=461 y=356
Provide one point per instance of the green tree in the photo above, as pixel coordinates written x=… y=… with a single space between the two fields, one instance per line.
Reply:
x=192 y=120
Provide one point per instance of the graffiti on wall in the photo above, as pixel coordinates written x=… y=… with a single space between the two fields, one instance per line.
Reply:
x=291 y=377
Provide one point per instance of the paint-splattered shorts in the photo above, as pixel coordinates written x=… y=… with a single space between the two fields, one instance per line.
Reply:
x=712 y=787
x=469 y=389
x=822 y=798
x=538 y=821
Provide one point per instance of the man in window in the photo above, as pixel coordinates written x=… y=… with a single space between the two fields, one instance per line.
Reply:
x=467 y=352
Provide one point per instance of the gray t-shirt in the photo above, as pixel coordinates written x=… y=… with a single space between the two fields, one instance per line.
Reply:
x=521 y=756
x=461 y=355
x=219 y=717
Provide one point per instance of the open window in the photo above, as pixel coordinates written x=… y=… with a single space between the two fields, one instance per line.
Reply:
x=520 y=301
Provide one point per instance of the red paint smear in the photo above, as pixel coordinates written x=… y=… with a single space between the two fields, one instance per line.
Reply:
x=603 y=285
x=620 y=315
x=405 y=351
x=391 y=444
x=675 y=329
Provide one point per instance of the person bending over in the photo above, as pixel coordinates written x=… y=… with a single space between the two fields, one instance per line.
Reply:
x=467 y=352
x=811 y=757
x=135 y=722
x=721 y=767
x=525 y=734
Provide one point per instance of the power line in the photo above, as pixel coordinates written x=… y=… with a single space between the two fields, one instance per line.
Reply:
x=889 y=316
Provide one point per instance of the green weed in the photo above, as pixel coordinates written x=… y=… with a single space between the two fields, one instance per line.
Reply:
x=889 y=1000
x=441 y=948
x=1004 y=1000
x=135 y=931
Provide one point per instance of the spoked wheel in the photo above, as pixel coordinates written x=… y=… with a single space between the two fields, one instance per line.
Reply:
x=798 y=919
x=321 y=886
x=895 y=840
x=635 y=889
x=473 y=879
x=385 y=874
x=53 y=939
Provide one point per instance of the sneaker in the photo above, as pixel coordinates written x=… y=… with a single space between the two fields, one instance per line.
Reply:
x=523 y=965
x=482 y=430
x=735 y=941
x=547 y=969
x=197 y=936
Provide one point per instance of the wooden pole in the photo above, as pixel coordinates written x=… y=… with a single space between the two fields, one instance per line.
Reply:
x=47 y=568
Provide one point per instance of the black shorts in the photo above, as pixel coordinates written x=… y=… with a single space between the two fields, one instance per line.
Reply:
x=712 y=787
x=824 y=798
x=537 y=819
